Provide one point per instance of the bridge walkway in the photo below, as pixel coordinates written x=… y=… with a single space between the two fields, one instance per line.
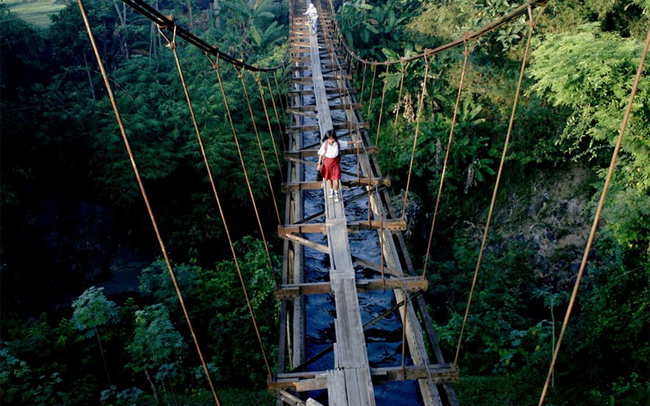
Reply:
x=322 y=99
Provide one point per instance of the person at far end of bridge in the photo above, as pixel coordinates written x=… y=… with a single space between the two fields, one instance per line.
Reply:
x=312 y=13
x=329 y=162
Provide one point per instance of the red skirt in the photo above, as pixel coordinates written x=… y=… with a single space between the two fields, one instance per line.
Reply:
x=331 y=169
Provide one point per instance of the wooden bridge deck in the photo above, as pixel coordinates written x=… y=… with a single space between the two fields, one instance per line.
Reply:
x=350 y=379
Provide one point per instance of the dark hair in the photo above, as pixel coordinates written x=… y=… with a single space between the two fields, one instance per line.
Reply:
x=330 y=134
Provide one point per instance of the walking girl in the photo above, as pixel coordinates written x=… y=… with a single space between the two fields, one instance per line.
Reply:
x=329 y=162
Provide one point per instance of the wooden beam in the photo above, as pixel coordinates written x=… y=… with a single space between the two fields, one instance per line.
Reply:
x=303 y=241
x=311 y=91
x=390 y=225
x=438 y=373
x=353 y=226
x=313 y=107
x=295 y=186
x=337 y=126
x=301 y=229
x=314 y=152
x=411 y=283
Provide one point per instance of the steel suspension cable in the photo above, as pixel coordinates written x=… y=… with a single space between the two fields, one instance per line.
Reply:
x=259 y=144
x=215 y=65
x=381 y=106
x=258 y=80
x=496 y=186
x=127 y=144
x=594 y=226
x=399 y=103
x=467 y=52
x=277 y=118
x=417 y=132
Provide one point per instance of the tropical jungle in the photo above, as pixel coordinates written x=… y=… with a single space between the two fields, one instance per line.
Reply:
x=89 y=313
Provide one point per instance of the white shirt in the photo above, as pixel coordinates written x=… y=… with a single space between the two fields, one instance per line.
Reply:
x=311 y=11
x=332 y=150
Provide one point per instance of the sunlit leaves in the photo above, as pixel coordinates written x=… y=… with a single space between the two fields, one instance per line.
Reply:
x=592 y=72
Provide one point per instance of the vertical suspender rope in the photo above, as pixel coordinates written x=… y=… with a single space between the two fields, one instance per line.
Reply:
x=284 y=110
x=399 y=103
x=258 y=80
x=381 y=106
x=597 y=216
x=172 y=46
x=417 y=131
x=444 y=166
x=259 y=142
x=82 y=9
x=496 y=186
x=215 y=65
x=372 y=90
x=404 y=319
x=363 y=82
x=268 y=83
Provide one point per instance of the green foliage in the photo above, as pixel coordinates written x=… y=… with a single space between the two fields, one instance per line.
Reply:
x=157 y=349
x=250 y=28
x=217 y=301
x=92 y=312
x=42 y=364
x=498 y=390
x=20 y=385
x=592 y=72
x=371 y=27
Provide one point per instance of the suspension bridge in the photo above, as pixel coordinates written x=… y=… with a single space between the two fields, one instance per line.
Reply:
x=339 y=370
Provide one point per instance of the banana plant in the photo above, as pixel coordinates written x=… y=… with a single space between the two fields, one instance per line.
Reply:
x=247 y=27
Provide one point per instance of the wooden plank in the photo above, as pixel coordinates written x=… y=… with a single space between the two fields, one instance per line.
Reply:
x=311 y=185
x=289 y=399
x=336 y=388
x=311 y=91
x=314 y=152
x=411 y=372
x=301 y=229
x=312 y=107
x=305 y=242
x=337 y=126
x=319 y=382
x=377 y=267
x=303 y=113
x=353 y=227
x=289 y=291
x=352 y=389
x=439 y=373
